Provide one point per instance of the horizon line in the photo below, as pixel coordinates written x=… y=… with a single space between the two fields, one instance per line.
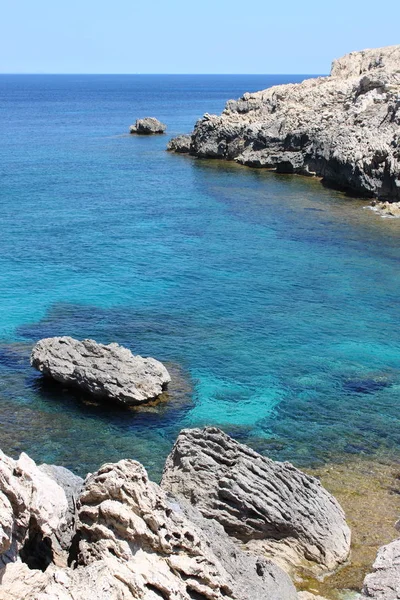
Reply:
x=164 y=74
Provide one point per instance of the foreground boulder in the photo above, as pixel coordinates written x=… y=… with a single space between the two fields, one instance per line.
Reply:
x=271 y=507
x=384 y=582
x=134 y=543
x=148 y=126
x=111 y=372
x=33 y=514
x=343 y=128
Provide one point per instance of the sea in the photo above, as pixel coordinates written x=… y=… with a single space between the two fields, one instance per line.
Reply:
x=272 y=300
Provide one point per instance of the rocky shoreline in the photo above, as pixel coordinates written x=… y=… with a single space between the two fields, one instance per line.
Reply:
x=343 y=128
x=222 y=524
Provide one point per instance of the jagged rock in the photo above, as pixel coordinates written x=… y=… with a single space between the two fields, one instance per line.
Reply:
x=343 y=128
x=72 y=485
x=32 y=514
x=126 y=518
x=180 y=144
x=147 y=126
x=111 y=372
x=269 y=506
x=135 y=543
x=384 y=582
x=250 y=572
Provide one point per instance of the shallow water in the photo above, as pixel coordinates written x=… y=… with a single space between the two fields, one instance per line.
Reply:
x=273 y=300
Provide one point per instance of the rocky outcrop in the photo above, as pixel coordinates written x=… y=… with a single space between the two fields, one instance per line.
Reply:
x=270 y=507
x=180 y=144
x=343 y=128
x=110 y=372
x=148 y=126
x=384 y=582
x=133 y=542
x=33 y=514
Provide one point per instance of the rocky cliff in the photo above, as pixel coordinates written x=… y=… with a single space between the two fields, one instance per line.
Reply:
x=343 y=128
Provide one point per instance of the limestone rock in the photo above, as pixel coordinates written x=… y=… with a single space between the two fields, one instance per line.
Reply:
x=343 y=128
x=72 y=485
x=269 y=506
x=111 y=372
x=147 y=126
x=33 y=510
x=180 y=144
x=128 y=522
x=384 y=582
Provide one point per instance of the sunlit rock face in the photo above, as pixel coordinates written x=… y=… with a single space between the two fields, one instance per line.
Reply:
x=343 y=128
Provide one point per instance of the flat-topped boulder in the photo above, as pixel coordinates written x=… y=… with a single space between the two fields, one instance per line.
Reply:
x=148 y=126
x=105 y=371
x=271 y=507
x=343 y=128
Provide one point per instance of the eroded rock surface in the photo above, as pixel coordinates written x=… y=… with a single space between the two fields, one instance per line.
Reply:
x=344 y=128
x=180 y=144
x=384 y=582
x=269 y=506
x=33 y=513
x=148 y=126
x=106 y=371
x=135 y=543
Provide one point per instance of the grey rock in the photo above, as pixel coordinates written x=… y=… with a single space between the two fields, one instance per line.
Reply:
x=271 y=507
x=252 y=574
x=72 y=486
x=384 y=582
x=343 y=128
x=180 y=144
x=33 y=512
x=125 y=518
x=106 y=371
x=148 y=126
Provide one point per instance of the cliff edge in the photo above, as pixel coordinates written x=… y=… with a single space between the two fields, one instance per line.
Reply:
x=343 y=128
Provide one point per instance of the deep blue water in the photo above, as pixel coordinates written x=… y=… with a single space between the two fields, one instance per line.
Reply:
x=273 y=300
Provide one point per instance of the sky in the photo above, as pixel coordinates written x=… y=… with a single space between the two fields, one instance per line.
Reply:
x=185 y=36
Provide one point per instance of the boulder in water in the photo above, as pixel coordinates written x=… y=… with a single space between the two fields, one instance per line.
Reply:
x=148 y=126
x=105 y=371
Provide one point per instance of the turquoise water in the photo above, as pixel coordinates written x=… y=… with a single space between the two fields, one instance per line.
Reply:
x=272 y=300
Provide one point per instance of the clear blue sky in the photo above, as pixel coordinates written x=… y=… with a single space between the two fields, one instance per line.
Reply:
x=186 y=36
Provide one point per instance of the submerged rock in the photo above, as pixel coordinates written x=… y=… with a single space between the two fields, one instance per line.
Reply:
x=384 y=582
x=106 y=371
x=343 y=128
x=147 y=126
x=271 y=507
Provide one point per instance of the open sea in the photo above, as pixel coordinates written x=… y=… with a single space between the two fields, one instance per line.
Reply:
x=273 y=301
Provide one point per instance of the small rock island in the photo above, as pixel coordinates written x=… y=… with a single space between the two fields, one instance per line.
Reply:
x=148 y=126
x=111 y=372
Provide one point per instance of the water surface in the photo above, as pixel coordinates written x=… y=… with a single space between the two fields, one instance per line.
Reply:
x=273 y=300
